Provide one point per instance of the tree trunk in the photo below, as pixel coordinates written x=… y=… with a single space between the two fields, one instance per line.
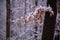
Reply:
x=8 y=19
x=49 y=22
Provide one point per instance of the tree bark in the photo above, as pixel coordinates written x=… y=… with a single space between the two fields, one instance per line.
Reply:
x=8 y=19
x=49 y=22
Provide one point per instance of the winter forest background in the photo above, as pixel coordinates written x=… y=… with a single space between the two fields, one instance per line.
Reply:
x=19 y=31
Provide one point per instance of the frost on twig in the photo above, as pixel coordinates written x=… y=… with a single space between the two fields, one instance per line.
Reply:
x=34 y=16
x=29 y=23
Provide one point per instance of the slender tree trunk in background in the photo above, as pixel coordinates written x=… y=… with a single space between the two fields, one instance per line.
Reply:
x=49 y=23
x=25 y=14
x=25 y=9
x=36 y=3
x=8 y=19
x=25 y=6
